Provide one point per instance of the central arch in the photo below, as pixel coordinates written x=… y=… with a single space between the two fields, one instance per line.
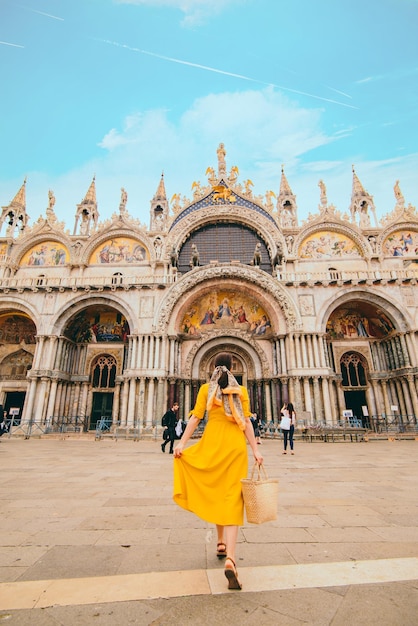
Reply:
x=249 y=365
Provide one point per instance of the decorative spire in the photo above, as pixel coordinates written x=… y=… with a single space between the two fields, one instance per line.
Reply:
x=87 y=211
x=15 y=213
x=160 y=193
x=358 y=189
x=159 y=208
x=285 y=189
x=19 y=201
x=286 y=204
x=90 y=197
x=361 y=201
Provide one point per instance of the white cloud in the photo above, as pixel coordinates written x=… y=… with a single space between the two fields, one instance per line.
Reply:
x=261 y=131
x=195 y=11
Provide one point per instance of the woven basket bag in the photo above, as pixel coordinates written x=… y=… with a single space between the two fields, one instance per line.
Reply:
x=260 y=496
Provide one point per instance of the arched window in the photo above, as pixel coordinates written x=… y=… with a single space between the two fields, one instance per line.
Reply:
x=117 y=278
x=334 y=274
x=353 y=370
x=104 y=372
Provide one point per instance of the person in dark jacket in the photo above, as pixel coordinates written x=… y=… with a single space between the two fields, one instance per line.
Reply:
x=169 y=421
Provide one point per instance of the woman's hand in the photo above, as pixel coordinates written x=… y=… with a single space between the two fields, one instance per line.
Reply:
x=258 y=458
x=178 y=450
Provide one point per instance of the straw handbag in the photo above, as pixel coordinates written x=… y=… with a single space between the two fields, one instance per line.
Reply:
x=260 y=496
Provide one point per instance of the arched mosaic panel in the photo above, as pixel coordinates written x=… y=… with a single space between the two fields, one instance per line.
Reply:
x=16 y=328
x=328 y=245
x=46 y=254
x=119 y=251
x=225 y=309
x=359 y=319
x=401 y=243
x=97 y=324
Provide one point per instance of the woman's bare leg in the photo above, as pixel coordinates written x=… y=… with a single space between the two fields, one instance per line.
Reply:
x=220 y=531
x=231 y=536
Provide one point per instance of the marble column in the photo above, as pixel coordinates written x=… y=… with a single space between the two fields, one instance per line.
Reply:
x=413 y=393
x=124 y=403
x=160 y=404
x=40 y=400
x=285 y=390
x=308 y=398
x=317 y=362
x=51 y=399
x=328 y=411
x=386 y=400
x=150 y=418
x=131 y=403
x=27 y=414
x=268 y=401
x=283 y=368
x=141 y=402
x=317 y=399
x=305 y=358
x=85 y=386
x=187 y=394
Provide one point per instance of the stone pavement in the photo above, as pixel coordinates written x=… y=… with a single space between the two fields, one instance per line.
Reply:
x=90 y=535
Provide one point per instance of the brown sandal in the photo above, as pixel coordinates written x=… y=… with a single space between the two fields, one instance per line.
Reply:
x=232 y=575
x=221 y=550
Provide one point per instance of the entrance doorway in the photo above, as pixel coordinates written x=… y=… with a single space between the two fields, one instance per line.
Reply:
x=102 y=407
x=15 y=400
x=356 y=400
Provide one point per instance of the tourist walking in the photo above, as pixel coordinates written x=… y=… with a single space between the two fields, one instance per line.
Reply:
x=169 y=420
x=207 y=475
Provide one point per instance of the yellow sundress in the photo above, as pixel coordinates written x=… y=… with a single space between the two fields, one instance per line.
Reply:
x=207 y=475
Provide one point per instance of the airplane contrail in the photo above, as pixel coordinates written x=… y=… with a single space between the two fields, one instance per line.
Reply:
x=218 y=71
x=54 y=17
x=340 y=92
x=15 y=45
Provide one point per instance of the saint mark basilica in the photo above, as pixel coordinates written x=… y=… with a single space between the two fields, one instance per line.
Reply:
x=117 y=319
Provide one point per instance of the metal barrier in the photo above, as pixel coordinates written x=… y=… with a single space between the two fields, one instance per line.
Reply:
x=27 y=429
x=393 y=423
x=104 y=427
x=66 y=424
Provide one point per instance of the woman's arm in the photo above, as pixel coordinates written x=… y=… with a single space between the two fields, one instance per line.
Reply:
x=190 y=428
x=249 y=433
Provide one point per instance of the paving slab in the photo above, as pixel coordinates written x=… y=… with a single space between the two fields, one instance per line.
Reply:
x=90 y=535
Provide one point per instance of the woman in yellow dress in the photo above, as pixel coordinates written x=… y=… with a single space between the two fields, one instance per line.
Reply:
x=207 y=475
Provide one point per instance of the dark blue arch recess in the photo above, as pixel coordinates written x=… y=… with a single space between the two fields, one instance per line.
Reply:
x=223 y=242
x=209 y=201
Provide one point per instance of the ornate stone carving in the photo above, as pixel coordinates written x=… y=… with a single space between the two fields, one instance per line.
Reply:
x=266 y=372
x=260 y=279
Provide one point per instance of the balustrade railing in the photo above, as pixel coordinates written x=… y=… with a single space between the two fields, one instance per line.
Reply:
x=121 y=282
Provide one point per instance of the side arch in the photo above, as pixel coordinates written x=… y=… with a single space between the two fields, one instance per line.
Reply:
x=402 y=321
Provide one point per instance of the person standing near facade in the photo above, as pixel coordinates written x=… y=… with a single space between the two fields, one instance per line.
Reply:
x=3 y=422
x=169 y=421
x=255 y=420
x=287 y=425
x=207 y=475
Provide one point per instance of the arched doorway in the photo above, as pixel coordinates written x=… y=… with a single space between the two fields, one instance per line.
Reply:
x=103 y=376
x=247 y=366
x=354 y=382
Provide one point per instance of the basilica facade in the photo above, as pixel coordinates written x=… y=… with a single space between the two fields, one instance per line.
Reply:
x=118 y=319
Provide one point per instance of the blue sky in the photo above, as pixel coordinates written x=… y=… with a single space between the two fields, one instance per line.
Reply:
x=128 y=89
